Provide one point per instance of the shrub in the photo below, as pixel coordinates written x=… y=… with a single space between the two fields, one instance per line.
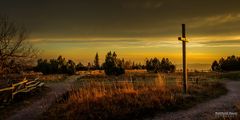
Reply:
x=80 y=66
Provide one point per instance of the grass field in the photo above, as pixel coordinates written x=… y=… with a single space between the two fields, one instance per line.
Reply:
x=53 y=77
x=234 y=75
x=133 y=95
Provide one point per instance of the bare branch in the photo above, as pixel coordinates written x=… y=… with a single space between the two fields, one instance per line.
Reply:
x=13 y=44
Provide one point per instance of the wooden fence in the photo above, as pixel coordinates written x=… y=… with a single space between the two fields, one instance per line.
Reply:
x=25 y=86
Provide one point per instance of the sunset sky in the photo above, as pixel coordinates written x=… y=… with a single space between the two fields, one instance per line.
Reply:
x=135 y=29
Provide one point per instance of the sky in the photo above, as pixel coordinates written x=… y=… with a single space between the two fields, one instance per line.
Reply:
x=134 y=29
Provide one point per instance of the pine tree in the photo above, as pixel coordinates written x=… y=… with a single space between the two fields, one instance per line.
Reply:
x=96 y=62
x=215 y=66
x=113 y=65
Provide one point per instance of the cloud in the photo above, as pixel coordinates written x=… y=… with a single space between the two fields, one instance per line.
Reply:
x=220 y=43
x=121 y=18
x=118 y=43
x=83 y=41
x=142 y=4
x=141 y=43
x=214 y=20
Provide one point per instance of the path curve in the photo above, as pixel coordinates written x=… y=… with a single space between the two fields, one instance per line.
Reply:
x=206 y=110
x=33 y=111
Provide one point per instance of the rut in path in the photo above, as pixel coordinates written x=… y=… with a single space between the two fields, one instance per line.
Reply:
x=33 y=111
x=206 y=111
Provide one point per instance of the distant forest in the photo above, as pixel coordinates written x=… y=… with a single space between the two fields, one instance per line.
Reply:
x=231 y=63
x=111 y=66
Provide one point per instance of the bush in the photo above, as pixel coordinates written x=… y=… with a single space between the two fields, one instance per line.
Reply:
x=80 y=66
x=113 y=65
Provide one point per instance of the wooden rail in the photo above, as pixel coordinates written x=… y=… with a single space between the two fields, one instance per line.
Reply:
x=7 y=94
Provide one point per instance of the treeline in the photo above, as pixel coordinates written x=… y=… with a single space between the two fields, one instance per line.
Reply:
x=155 y=65
x=56 y=66
x=232 y=63
x=111 y=66
x=63 y=66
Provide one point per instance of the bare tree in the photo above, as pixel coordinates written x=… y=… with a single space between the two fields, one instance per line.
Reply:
x=15 y=51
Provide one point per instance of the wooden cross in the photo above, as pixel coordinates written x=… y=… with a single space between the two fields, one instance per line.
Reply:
x=184 y=40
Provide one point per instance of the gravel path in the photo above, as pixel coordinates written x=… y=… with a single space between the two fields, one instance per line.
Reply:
x=206 y=111
x=33 y=111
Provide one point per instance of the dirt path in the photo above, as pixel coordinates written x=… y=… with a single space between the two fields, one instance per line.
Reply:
x=33 y=111
x=206 y=111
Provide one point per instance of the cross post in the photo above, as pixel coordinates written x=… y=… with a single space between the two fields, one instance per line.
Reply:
x=184 y=40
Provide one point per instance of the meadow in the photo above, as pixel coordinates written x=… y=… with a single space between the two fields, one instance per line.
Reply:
x=134 y=95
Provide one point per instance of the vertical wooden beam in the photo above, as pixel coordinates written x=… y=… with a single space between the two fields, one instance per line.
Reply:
x=184 y=59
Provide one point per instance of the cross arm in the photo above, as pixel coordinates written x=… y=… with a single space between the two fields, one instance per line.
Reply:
x=183 y=39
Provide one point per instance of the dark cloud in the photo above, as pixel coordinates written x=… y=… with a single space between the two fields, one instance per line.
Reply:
x=86 y=41
x=122 y=18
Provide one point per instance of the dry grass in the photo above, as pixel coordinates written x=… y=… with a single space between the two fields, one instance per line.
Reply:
x=103 y=100
x=237 y=107
x=233 y=117
x=52 y=78
x=233 y=75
